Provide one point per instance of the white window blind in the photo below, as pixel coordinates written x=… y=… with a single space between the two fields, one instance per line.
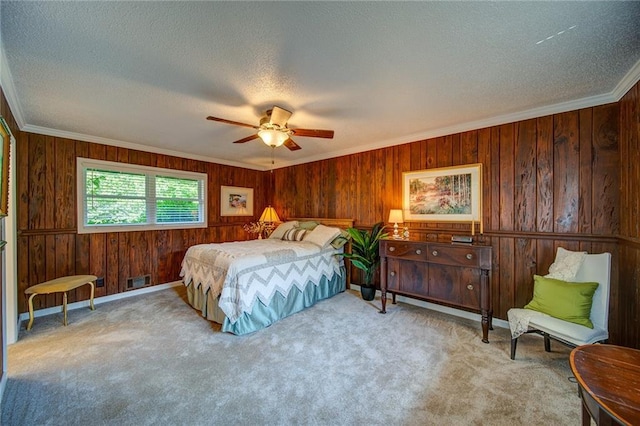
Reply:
x=124 y=197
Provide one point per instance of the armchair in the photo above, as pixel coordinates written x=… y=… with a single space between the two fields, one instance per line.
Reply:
x=594 y=268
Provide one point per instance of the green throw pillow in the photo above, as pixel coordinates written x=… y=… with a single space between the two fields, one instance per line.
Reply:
x=309 y=226
x=341 y=239
x=564 y=300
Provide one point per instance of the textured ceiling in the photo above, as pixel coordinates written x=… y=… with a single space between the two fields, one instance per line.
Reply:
x=146 y=74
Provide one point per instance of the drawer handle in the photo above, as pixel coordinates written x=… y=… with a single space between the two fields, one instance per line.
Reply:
x=418 y=251
x=435 y=252
x=469 y=256
x=392 y=249
x=469 y=287
x=392 y=273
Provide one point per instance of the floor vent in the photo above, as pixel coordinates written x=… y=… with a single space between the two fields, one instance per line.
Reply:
x=138 y=282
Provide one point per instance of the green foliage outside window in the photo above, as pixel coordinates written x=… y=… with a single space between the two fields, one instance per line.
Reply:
x=177 y=200
x=117 y=198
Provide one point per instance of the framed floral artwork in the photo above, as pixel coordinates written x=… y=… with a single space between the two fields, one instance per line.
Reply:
x=449 y=194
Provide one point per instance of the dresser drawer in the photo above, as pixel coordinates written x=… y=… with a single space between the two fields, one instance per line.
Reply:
x=404 y=250
x=454 y=255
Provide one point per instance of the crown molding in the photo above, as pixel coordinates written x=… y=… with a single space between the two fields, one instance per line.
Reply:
x=6 y=81
x=130 y=145
x=587 y=102
x=627 y=82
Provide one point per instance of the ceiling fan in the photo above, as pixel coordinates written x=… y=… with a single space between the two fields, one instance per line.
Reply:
x=273 y=129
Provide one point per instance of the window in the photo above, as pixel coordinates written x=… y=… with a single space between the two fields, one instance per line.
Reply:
x=125 y=197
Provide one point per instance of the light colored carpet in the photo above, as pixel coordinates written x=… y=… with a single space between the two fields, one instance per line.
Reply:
x=153 y=360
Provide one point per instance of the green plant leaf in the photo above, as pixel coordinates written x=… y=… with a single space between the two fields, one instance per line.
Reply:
x=365 y=250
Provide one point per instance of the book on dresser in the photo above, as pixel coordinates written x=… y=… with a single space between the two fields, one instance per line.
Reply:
x=451 y=274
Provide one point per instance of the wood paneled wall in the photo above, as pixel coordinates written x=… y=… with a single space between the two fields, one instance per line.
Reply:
x=547 y=182
x=48 y=243
x=629 y=217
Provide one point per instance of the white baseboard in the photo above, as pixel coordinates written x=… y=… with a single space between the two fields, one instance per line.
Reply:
x=440 y=308
x=99 y=300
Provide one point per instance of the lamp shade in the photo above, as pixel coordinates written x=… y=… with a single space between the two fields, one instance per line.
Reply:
x=269 y=215
x=273 y=137
x=395 y=216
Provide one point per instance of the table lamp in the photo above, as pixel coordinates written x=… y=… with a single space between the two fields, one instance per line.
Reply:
x=269 y=217
x=395 y=217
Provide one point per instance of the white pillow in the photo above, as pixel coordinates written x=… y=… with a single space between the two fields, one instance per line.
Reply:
x=278 y=233
x=565 y=266
x=322 y=235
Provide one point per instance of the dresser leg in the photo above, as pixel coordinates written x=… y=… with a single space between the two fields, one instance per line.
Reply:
x=485 y=327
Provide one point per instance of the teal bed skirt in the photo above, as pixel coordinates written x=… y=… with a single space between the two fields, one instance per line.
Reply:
x=262 y=315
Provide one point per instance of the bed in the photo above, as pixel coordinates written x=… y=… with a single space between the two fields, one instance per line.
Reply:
x=248 y=285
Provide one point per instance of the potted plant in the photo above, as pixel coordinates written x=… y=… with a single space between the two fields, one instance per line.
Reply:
x=365 y=255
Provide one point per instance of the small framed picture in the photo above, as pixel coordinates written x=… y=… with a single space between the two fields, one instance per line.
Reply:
x=236 y=201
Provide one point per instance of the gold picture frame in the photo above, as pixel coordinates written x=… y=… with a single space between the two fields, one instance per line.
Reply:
x=5 y=140
x=236 y=201
x=447 y=194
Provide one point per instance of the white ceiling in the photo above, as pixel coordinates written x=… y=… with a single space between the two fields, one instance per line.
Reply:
x=145 y=75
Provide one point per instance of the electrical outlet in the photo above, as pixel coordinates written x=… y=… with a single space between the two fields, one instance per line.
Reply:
x=100 y=282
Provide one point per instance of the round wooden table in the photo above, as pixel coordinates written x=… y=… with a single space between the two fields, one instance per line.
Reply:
x=609 y=383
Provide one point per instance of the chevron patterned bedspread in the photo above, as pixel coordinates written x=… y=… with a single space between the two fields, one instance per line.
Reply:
x=243 y=272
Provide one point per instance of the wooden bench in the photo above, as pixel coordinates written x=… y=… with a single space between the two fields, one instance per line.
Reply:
x=62 y=284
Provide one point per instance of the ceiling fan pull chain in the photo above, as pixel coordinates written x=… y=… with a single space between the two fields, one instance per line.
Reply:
x=273 y=162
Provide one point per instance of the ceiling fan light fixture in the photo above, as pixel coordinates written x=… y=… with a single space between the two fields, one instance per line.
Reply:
x=273 y=130
x=273 y=137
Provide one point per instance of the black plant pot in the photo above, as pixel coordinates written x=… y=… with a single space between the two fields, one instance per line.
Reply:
x=368 y=293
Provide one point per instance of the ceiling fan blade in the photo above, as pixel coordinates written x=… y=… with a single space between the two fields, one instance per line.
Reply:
x=289 y=143
x=247 y=139
x=236 y=123
x=279 y=116
x=314 y=133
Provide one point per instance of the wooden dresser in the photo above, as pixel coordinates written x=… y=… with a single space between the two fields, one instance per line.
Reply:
x=456 y=275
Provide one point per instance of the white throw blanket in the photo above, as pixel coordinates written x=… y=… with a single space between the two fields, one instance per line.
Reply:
x=519 y=321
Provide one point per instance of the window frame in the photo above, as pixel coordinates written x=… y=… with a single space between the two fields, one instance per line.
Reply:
x=82 y=164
